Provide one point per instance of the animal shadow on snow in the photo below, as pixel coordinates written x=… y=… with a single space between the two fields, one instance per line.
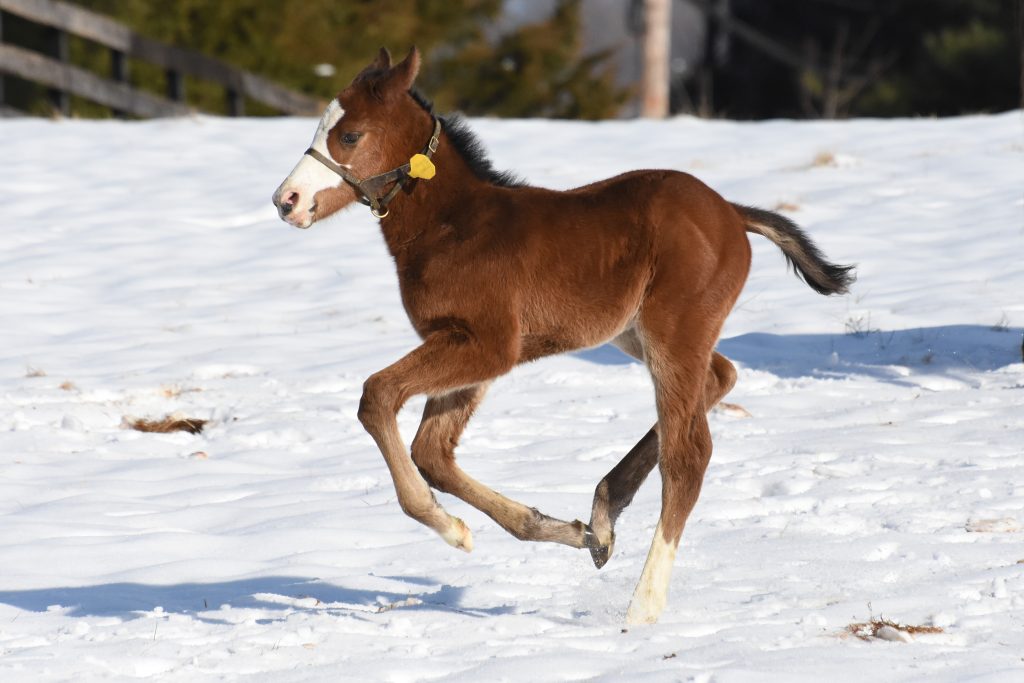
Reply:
x=892 y=356
x=275 y=595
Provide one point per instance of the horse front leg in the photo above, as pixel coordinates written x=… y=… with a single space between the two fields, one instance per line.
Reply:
x=442 y=363
x=451 y=368
x=433 y=452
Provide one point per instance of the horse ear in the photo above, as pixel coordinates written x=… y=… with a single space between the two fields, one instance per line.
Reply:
x=383 y=60
x=404 y=73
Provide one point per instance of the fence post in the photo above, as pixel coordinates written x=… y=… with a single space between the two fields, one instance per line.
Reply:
x=57 y=47
x=657 y=52
x=119 y=73
x=236 y=103
x=175 y=85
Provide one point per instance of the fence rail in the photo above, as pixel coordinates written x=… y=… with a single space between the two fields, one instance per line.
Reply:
x=63 y=79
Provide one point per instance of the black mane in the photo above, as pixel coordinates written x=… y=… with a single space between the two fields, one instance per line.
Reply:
x=469 y=147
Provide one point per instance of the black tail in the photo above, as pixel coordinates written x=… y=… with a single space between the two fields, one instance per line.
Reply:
x=801 y=253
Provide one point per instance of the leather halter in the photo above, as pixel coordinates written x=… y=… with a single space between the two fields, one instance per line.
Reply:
x=370 y=188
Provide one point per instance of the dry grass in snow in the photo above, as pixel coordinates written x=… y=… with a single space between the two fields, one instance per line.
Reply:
x=886 y=629
x=172 y=423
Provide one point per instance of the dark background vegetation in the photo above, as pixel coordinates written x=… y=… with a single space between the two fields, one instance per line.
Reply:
x=856 y=57
x=876 y=58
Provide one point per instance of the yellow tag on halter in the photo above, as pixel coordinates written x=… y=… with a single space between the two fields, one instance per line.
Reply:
x=421 y=167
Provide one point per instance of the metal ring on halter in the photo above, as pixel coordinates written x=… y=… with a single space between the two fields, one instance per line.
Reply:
x=380 y=215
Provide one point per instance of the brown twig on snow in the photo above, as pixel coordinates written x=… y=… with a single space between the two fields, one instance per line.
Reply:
x=171 y=423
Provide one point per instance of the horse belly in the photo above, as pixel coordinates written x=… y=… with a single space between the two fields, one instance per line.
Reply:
x=580 y=313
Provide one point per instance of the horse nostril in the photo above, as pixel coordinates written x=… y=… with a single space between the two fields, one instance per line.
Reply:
x=288 y=202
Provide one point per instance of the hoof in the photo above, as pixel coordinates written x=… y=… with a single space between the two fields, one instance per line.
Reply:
x=641 y=617
x=599 y=552
x=458 y=535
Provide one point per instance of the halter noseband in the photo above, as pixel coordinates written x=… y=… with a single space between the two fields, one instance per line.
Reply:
x=369 y=188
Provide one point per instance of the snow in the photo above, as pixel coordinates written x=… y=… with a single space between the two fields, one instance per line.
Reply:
x=880 y=474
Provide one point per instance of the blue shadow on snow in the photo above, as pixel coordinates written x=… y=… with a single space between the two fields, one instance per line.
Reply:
x=202 y=601
x=886 y=355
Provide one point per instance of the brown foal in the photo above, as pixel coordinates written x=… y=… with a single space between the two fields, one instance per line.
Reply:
x=494 y=273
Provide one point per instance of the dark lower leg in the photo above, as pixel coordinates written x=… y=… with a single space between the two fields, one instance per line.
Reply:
x=616 y=491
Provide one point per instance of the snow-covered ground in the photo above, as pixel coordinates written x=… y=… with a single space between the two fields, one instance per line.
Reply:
x=143 y=271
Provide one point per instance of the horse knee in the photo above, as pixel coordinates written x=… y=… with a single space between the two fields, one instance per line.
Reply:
x=374 y=403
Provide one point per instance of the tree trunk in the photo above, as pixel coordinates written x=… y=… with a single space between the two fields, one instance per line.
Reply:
x=657 y=52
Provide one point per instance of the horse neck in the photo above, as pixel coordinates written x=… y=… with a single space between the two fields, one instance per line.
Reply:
x=424 y=205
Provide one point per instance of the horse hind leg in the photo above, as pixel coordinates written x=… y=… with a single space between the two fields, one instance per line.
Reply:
x=685 y=446
x=616 y=490
x=679 y=355
x=433 y=452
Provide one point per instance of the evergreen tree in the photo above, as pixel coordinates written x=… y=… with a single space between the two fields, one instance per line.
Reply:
x=285 y=40
x=535 y=71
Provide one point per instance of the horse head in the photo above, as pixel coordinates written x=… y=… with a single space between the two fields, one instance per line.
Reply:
x=373 y=125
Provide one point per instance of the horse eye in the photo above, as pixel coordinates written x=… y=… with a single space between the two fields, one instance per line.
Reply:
x=351 y=138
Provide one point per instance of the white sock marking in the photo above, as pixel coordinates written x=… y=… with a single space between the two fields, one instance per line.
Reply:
x=651 y=592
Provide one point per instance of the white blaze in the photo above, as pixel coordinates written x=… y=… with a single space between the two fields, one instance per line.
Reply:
x=310 y=176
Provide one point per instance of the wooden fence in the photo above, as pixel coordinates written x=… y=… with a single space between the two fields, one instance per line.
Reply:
x=63 y=79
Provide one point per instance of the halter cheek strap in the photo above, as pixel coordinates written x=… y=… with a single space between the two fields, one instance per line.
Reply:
x=370 y=188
